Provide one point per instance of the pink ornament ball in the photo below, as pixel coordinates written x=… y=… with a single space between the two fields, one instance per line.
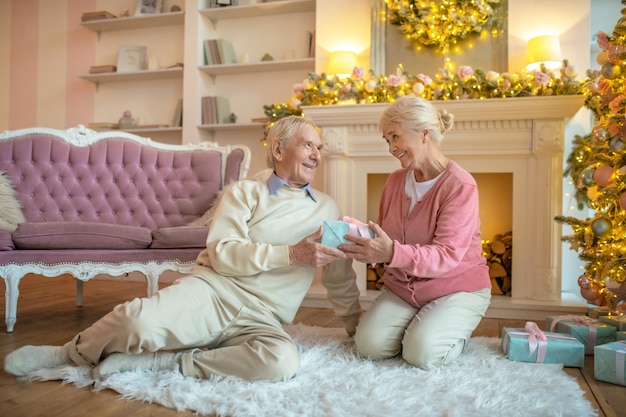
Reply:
x=592 y=295
x=604 y=175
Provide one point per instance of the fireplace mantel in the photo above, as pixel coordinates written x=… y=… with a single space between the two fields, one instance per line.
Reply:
x=521 y=136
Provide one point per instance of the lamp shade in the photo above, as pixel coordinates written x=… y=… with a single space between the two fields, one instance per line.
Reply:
x=341 y=62
x=545 y=49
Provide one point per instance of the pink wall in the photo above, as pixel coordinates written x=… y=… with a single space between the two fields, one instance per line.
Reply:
x=34 y=83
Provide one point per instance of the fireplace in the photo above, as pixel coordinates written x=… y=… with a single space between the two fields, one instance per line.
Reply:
x=522 y=137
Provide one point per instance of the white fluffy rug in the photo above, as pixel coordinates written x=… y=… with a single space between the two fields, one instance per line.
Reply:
x=334 y=382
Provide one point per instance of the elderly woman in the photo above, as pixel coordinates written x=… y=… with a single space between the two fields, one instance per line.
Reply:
x=437 y=286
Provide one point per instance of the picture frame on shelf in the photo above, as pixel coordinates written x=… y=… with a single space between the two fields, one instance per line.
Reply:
x=148 y=7
x=132 y=58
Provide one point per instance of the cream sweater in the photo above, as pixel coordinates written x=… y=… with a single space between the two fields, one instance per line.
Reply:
x=247 y=250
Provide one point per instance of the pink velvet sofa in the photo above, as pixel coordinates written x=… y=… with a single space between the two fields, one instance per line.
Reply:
x=85 y=203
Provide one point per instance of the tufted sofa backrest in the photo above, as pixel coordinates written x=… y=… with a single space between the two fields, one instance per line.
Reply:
x=115 y=178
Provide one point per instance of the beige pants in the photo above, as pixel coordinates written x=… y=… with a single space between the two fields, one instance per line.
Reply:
x=434 y=334
x=218 y=335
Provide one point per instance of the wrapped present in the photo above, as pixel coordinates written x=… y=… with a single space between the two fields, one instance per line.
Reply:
x=530 y=344
x=620 y=336
x=618 y=321
x=590 y=332
x=597 y=312
x=335 y=230
x=609 y=364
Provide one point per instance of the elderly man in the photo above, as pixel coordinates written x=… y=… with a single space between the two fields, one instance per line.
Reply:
x=226 y=317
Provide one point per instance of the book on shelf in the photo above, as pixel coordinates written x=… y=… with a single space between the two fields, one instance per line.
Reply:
x=100 y=126
x=311 y=43
x=177 y=120
x=260 y=119
x=98 y=15
x=99 y=69
x=219 y=51
x=215 y=110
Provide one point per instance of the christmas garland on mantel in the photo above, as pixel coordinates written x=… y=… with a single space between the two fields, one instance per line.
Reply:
x=440 y=23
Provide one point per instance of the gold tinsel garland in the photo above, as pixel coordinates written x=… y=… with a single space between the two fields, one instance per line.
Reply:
x=442 y=23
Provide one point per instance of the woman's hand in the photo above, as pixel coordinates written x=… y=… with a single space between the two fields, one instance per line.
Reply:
x=370 y=250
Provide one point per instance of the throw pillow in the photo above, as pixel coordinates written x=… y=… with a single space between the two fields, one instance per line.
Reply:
x=10 y=209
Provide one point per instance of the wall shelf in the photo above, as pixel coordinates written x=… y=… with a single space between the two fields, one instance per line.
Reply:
x=135 y=22
x=257 y=10
x=264 y=66
x=109 y=77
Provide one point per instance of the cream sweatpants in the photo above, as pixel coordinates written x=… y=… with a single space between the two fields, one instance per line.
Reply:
x=217 y=334
x=431 y=335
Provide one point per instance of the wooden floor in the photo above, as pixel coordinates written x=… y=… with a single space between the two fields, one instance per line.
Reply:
x=47 y=315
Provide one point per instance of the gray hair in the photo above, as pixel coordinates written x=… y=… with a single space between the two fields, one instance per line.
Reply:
x=282 y=131
x=415 y=113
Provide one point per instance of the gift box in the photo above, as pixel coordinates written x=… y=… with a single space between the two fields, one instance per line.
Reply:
x=609 y=364
x=530 y=344
x=597 y=312
x=335 y=230
x=620 y=336
x=619 y=322
x=590 y=332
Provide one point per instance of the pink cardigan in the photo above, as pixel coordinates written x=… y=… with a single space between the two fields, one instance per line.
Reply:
x=437 y=248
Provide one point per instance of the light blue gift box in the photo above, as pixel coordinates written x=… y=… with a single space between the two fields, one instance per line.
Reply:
x=609 y=364
x=618 y=321
x=561 y=348
x=335 y=230
x=604 y=333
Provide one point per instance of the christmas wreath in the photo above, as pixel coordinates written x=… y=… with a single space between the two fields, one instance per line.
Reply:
x=440 y=23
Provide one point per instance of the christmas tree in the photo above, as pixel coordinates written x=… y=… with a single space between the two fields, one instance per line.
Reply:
x=597 y=168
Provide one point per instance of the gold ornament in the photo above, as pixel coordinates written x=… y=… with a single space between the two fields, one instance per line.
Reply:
x=611 y=71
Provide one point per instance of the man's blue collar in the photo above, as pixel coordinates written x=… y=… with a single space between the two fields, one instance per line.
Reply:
x=274 y=183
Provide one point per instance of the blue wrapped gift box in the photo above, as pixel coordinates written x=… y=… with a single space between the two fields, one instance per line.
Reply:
x=335 y=230
x=591 y=332
x=558 y=348
x=618 y=322
x=609 y=364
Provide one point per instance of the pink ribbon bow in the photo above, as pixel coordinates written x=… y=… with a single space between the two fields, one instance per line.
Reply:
x=589 y=322
x=356 y=227
x=536 y=339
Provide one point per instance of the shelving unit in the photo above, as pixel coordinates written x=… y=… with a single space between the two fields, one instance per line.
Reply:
x=134 y=79
x=254 y=83
x=248 y=86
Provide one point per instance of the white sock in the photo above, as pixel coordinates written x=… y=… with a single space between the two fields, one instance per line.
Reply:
x=122 y=362
x=27 y=359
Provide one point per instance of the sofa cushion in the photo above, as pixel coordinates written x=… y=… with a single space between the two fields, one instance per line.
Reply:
x=80 y=235
x=179 y=237
x=6 y=240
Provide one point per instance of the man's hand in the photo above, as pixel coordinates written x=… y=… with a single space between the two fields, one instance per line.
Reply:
x=310 y=253
x=370 y=250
